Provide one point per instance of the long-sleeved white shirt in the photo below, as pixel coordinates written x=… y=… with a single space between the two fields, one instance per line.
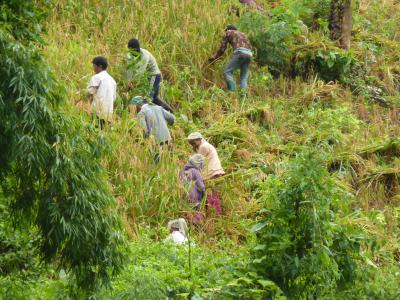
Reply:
x=104 y=90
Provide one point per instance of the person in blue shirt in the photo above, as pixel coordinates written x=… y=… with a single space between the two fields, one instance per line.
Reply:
x=154 y=120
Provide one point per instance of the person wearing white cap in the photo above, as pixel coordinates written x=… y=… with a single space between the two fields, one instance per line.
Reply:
x=201 y=146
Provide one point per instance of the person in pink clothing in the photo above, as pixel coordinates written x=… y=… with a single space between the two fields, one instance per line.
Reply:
x=201 y=146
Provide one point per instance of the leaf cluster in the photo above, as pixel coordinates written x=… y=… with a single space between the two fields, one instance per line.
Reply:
x=302 y=245
x=50 y=168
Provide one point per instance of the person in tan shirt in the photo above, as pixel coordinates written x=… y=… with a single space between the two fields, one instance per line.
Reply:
x=201 y=146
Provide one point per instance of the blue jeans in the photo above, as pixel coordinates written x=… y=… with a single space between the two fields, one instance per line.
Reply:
x=155 y=81
x=238 y=61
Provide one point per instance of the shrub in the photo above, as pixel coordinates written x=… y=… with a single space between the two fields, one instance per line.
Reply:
x=283 y=44
x=330 y=65
x=18 y=249
x=330 y=126
x=311 y=12
x=161 y=270
x=273 y=38
x=302 y=246
x=50 y=167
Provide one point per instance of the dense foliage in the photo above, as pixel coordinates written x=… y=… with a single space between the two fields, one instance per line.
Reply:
x=303 y=246
x=283 y=41
x=306 y=95
x=18 y=248
x=50 y=172
x=154 y=270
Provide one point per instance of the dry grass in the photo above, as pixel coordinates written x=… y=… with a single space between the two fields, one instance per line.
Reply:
x=267 y=130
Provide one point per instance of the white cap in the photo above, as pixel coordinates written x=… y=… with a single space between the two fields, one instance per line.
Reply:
x=194 y=136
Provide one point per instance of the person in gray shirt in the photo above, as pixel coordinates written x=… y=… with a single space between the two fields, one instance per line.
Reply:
x=154 y=120
x=140 y=63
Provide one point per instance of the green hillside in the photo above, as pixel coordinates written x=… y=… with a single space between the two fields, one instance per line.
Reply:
x=311 y=199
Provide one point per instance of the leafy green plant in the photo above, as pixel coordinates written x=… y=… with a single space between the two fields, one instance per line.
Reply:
x=333 y=65
x=161 y=270
x=374 y=283
x=285 y=114
x=249 y=285
x=50 y=168
x=311 y=12
x=299 y=236
x=331 y=126
x=18 y=249
x=273 y=38
x=276 y=40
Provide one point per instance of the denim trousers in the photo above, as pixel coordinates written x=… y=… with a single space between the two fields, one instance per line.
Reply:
x=238 y=61
x=155 y=81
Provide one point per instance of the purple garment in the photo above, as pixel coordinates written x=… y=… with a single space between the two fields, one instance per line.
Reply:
x=252 y=2
x=193 y=180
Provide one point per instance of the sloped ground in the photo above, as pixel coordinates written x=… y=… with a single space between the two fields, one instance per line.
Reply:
x=281 y=117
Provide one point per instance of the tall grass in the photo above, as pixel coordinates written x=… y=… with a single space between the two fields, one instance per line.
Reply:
x=253 y=139
x=181 y=35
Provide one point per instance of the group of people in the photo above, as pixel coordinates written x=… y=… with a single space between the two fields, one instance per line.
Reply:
x=155 y=115
x=194 y=179
x=141 y=63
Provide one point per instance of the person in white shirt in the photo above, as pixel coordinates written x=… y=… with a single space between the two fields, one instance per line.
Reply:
x=103 y=91
x=142 y=63
x=178 y=229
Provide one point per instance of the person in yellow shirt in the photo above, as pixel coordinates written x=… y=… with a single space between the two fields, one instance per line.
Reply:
x=201 y=146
